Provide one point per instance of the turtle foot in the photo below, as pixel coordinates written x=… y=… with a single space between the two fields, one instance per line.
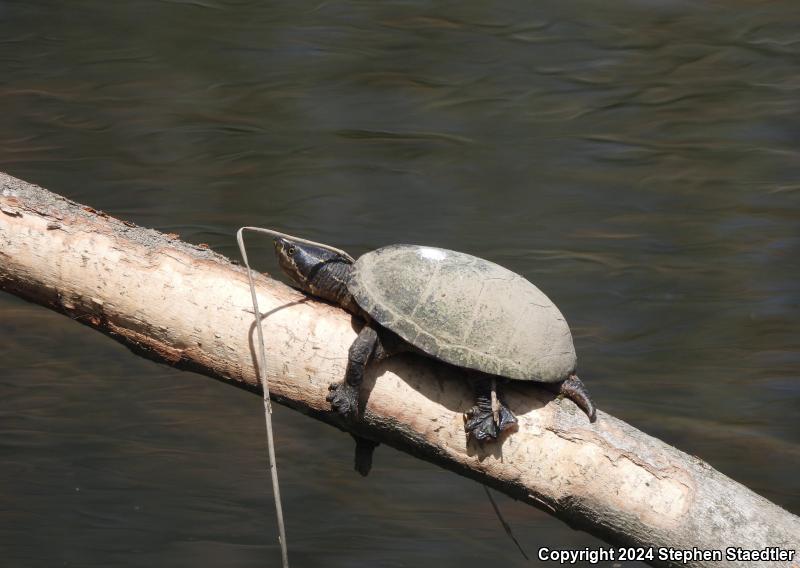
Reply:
x=343 y=398
x=482 y=426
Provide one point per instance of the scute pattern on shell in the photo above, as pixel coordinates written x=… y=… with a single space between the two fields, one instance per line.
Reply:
x=466 y=311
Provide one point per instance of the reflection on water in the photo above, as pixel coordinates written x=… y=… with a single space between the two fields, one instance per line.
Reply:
x=639 y=162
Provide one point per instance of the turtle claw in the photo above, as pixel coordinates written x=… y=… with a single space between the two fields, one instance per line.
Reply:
x=482 y=426
x=343 y=398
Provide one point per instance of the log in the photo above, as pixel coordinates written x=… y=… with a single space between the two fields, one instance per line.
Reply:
x=189 y=307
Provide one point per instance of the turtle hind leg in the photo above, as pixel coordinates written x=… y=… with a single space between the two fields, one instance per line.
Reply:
x=481 y=423
x=574 y=389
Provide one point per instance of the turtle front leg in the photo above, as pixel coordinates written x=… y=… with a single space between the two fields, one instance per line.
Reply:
x=481 y=423
x=344 y=396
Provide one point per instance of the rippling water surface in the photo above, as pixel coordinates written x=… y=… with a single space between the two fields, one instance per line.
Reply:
x=637 y=161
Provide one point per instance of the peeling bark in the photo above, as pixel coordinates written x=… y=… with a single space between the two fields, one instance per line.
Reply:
x=189 y=307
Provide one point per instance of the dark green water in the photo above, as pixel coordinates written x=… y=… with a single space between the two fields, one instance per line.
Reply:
x=639 y=162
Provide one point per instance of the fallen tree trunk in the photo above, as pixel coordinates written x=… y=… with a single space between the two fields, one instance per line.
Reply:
x=189 y=307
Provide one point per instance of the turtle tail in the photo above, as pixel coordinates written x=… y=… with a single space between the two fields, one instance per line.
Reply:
x=574 y=389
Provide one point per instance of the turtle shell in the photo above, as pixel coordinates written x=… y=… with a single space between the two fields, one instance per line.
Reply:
x=466 y=311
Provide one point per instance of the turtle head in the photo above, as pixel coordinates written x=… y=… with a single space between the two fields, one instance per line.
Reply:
x=315 y=269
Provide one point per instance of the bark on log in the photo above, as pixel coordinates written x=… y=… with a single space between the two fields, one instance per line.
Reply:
x=189 y=307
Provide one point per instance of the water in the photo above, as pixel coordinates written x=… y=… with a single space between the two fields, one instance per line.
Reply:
x=639 y=162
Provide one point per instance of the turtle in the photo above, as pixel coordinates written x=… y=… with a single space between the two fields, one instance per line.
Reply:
x=448 y=305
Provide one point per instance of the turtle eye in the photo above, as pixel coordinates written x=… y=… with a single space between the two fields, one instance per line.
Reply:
x=291 y=251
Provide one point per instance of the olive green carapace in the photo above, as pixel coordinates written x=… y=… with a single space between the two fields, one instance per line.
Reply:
x=466 y=311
